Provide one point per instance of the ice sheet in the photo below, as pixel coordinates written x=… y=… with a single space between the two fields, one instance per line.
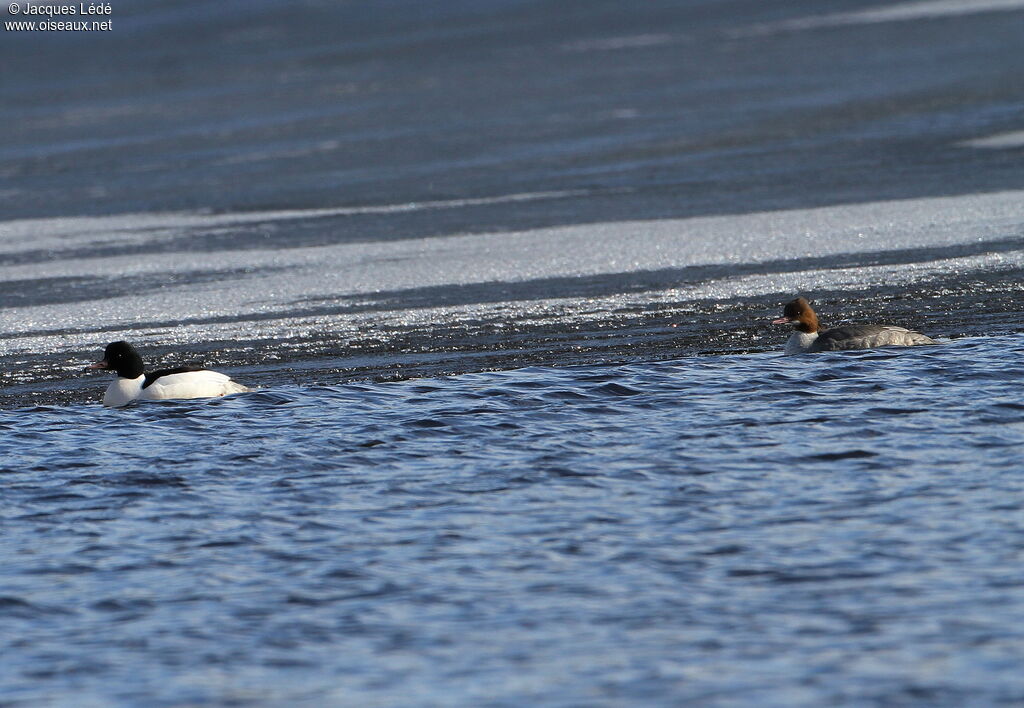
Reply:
x=278 y=287
x=899 y=12
x=998 y=141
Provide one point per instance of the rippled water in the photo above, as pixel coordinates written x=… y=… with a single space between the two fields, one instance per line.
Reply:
x=839 y=528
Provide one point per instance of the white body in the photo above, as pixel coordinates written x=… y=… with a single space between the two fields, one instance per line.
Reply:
x=190 y=384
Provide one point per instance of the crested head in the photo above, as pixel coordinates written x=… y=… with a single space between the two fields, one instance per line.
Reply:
x=119 y=348
x=799 y=313
x=122 y=358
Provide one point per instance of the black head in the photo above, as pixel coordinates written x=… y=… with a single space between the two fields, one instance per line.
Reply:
x=122 y=358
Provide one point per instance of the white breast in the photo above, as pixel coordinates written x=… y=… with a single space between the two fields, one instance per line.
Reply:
x=123 y=391
x=799 y=342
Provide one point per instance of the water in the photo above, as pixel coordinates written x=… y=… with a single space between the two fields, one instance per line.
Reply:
x=503 y=272
x=721 y=530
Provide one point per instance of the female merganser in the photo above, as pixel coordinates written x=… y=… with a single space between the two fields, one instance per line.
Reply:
x=182 y=382
x=810 y=337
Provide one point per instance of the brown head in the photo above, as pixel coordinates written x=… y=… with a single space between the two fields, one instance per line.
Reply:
x=799 y=313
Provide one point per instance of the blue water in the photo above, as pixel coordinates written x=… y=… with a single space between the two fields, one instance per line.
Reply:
x=733 y=530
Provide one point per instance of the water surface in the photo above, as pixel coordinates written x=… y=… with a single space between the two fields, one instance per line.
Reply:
x=723 y=530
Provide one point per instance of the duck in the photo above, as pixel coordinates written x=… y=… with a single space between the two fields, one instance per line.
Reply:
x=809 y=336
x=133 y=384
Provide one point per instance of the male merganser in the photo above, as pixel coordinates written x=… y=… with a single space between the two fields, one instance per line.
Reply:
x=182 y=382
x=810 y=337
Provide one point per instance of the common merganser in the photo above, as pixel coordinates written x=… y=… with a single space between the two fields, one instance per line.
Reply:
x=810 y=337
x=181 y=382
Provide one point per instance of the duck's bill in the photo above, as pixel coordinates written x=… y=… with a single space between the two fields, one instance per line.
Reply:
x=782 y=320
x=98 y=365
